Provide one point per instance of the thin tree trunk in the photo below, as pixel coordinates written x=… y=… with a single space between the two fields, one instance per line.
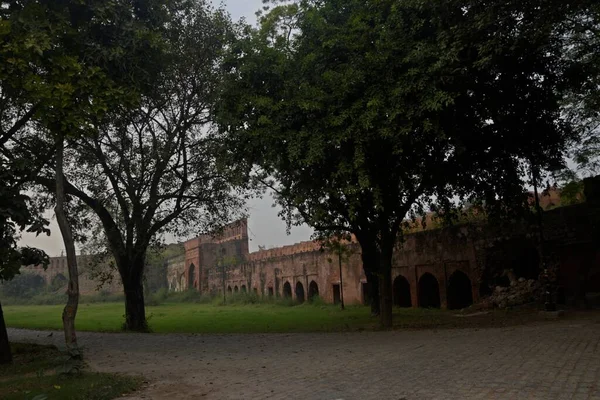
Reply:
x=5 y=354
x=70 y=310
x=385 y=291
x=135 y=310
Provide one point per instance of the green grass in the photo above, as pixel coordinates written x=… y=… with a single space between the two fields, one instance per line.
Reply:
x=198 y=318
x=36 y=373
x=254 y=318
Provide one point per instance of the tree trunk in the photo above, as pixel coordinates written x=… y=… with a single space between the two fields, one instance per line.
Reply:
x=5 y=354
x=369 y=260
x=373 y=282
x=70 y=310
x=341 y=280
x=385 y=290
x=135 y=311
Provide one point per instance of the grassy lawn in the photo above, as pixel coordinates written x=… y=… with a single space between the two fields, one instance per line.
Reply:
x=38 y=373
x=255 y=318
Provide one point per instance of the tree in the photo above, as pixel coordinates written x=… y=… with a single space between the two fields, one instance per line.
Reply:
x=154 y=168
x=580 y=33
x=15 y=213
x=361 y=115
x=82 y=59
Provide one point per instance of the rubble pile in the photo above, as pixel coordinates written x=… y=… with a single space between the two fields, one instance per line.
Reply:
x=520 y=291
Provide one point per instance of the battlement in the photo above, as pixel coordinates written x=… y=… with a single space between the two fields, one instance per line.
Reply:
x=298 y=248
x=234 y=231
x=58 y=263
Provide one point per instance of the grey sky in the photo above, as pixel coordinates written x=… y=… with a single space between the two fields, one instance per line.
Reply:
x=265 y=227
x=241 y=8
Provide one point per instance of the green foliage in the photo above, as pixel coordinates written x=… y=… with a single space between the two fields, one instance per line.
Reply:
x=360 y=115
x=317 y=301
x=581 y=35
x=49 y=297
x=23 y=285
x=572 y=193
x=140 y=162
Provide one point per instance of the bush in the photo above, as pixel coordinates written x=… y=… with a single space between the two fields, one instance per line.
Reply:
x=24 y=286
x=49 y=298
x=241 y=298
x=103 y=296
x=317 y=301
x=156 y=299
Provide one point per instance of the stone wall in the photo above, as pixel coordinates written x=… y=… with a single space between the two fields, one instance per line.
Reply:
x=57 y=271
x=447 y=268
x=176 y=274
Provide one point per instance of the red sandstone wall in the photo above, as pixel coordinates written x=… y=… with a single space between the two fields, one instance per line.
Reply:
x=439 y=252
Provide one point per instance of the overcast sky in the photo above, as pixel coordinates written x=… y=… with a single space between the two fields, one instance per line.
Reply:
x=265 y=227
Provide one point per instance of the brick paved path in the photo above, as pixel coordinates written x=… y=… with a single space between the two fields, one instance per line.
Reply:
x=557 y=360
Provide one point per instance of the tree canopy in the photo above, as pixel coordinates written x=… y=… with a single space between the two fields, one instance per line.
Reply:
x=153 y=167
x=361 y=114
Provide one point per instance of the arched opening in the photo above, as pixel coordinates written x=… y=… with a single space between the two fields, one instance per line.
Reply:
x=313 y=290
x=429 y=292
x=236 y=289
x=401 y=292
x=287 y=290
x=299 y=292
x=243 y=288
x=229 y=289
x=460 y=291
x=191 y=275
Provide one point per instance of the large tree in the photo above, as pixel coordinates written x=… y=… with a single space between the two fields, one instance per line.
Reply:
x=154 y=168
x=361 y=114
x=70 y=62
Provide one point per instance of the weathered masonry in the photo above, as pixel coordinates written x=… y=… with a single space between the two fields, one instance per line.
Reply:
x=57 y=274
x=447 y=268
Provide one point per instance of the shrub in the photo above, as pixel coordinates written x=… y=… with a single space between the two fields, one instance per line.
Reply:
x=317 y=301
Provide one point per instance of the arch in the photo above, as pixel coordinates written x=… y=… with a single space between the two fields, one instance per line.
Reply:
x=287 y=290
x=313 y=290
x=236 y=289
x=401 y=292
x=243 y=288
x=460 y=291
x=429 y=291
x=229 y=289
x=299 y=292
x=191 y=275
